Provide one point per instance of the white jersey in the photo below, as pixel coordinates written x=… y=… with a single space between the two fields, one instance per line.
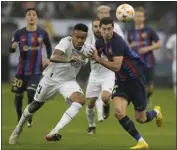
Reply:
x=171 y=45
x=63 y=72
x=97 y=69
x=117 y=29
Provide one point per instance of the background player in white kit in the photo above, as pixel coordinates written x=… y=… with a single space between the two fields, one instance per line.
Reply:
x=171 y=46
x=60 y=76
x=101 y=82
x=103 y=11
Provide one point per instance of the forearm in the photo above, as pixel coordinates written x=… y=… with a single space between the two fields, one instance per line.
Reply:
x=108 y=64
x=155 y=46
x=60 y=59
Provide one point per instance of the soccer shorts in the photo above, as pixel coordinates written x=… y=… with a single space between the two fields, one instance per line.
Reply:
x=47 y=89
x=133 y=91
x=96 y=86
x=149 y=75
x=22 y=83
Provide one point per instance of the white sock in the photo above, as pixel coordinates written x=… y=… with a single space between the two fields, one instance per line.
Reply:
x=26 y=114
x=141 y=139
x=90 y=116
x=99 y=108
x=69 y=114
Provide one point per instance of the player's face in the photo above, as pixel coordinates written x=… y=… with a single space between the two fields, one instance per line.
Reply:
x=31 y=17
x=107 y=31
x=103 y=13
x=96 y=28
x=78 y=38
x=139 y=18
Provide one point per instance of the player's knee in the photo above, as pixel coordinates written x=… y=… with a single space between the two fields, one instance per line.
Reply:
x=141 y=119
x=34 y=106
x=91 y=103
x=119 y=114
x=77 y=97
x=105 y=96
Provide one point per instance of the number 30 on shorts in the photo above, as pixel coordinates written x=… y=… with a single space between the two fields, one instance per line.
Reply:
x=17 y=82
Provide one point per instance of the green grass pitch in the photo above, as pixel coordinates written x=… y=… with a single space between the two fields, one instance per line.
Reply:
x=109 y=134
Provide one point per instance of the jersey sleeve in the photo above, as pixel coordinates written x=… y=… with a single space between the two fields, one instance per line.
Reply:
x=170 y=42
x=47 y=44
x=118 y=47
x=62 y=45
x=16 y=37
x=154 y=35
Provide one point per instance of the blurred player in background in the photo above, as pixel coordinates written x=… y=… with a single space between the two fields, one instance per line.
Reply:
x=103 y=11
x=130 y=82
x=101 y=82
x=30 y=40
x=143 y=40
x=171 y=47
x=60 y=75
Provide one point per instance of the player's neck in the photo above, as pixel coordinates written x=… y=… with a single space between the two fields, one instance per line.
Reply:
x=141 y=26
x=31 y=27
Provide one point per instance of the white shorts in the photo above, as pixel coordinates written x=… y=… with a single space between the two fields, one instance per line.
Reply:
x=174 y=72
x=95 y=87
x=48 y=89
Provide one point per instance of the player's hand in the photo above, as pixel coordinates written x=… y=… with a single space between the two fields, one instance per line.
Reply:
x=14 y=45
x=143 y=50
x=94 y=54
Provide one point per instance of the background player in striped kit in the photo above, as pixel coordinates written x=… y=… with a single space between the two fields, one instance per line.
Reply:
x=30 y=40
x=143 y=40
x=103 y=11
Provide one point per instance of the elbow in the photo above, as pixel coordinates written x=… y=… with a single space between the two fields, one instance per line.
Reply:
x=159 y=45
x=116 y=69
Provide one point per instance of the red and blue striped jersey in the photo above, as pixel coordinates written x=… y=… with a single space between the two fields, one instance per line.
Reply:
x=132 y=66
x=142 y=38
x=30 y=47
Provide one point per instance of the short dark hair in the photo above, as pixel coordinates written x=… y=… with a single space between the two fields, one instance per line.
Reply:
x=140 y=9
x=29 y=9
x=81 y=27
x=106 y=21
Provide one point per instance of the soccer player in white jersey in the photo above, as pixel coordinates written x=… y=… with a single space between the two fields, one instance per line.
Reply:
x=60 y=76
x=101 y=82
x=171 y=46
x=103 y=11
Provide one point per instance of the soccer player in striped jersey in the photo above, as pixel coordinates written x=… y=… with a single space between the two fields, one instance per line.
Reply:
x=129 y=83
x=29 y=40
x=143 y=40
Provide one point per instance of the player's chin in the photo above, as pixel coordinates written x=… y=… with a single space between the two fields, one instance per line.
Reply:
x=31 y=23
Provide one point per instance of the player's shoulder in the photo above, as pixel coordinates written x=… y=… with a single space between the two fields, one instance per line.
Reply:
x=19 y=31
x=66 y=39
x=116 y=37
x=41 y=30
x=149 y=28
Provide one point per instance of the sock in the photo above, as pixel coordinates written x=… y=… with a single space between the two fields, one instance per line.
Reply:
x=99 y=108
x=90 y=116
x=24 y=118
x=30 y=94
x=129 y=126
x=70 y=113
x=18 y=105
x=175 y=89
x=151 y=115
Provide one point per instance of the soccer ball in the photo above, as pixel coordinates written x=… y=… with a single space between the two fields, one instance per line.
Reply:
x=125 y=13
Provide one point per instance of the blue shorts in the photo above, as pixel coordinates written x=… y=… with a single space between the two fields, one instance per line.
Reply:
x=22 y=83
x=133 y=91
